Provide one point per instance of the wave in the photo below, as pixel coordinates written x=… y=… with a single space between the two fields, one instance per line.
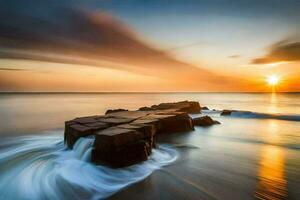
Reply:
x=249 y=114
x=40 y=167
x=256 y=115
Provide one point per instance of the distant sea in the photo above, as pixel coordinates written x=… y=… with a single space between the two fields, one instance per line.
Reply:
x=253 y=154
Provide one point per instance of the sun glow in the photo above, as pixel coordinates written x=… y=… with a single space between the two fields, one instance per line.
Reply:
x=273 y=80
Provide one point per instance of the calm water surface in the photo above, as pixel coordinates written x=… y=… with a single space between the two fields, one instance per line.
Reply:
x=251 y=155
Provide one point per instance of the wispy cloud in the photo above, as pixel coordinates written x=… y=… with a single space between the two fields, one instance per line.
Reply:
x=87 y=37
x=234 y=56
x=11 y=69
x=69 y=34
x=283 y=51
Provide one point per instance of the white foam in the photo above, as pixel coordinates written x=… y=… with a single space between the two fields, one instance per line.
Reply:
x=40 y=167
x=256 y=115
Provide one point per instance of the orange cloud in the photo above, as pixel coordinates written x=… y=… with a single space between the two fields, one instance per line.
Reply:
x=283 y=51
x=97 y=39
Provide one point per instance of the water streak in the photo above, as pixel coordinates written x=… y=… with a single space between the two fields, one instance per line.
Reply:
x=256 y=115
x=40 y=167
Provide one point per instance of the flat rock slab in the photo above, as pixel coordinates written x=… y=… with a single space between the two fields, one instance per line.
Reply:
x=129 y=114
x=124 y=137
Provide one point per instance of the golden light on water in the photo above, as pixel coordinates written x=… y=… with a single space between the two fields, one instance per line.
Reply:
x=273 y=80
x=272 y=183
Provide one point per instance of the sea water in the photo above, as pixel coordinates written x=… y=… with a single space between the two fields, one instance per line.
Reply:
x=254 y=153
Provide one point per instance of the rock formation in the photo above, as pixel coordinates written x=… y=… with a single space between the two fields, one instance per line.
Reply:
x=126 y=137
x=204 y=121
x=226 y=112
x=204 y=108
x=115 y=110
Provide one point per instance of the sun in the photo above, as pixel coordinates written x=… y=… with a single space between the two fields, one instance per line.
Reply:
x=273 y=80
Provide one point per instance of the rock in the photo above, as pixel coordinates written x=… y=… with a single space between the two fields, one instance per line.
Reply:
x=145 y=109
x=84 y=120
x=74 y=131
x=97 y=125
x=115 y=110
x=171 y=123
x=125 y=137
x=121 y=146
x=82 y=127
x=129 y=114
x=226 y=112
x=147 y=130
x=204 y=121
x=115 y=137
x=122 y=157
x=204 y=108
x=191 y=107
x=113 y=121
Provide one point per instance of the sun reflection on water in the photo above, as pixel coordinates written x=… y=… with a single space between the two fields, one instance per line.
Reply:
x=273 y=103
x=272 y=182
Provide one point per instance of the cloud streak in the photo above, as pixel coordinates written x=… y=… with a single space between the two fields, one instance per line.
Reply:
x=283 y=51
x=81 y=37
x=70 y=34
x=11 y=69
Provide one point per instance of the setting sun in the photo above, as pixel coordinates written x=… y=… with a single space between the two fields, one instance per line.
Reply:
x=273 y=80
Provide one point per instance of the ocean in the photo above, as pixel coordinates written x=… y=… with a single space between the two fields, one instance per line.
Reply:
x=253 y=154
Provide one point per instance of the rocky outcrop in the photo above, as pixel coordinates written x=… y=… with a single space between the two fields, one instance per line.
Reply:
x=204 y=108
x=126 y=137
x=226 y=112
x=204 y=121
x=115 y=110
x=191 y=107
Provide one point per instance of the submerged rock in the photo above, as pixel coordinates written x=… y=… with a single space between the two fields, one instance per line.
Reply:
x=204 y=121
x=226 y=112
x=204 y=108
x=124 y=137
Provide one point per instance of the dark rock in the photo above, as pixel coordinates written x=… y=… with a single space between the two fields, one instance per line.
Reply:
x=204 y=121
x=74 y=131
x=191 y=107
x=204 y=108
x=124 y=156
x=115 y=137
x=171 y=123
x=129 y=114
x=97 y=125
x=126 y=137
x=145 y=109
x=226 y=112
x=85 y=120
x=115 y=110
x=113 y=121
x=82 y=127
x=122 y=146
x=147 y=130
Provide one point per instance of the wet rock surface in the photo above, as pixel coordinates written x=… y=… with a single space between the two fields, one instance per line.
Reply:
x=226 y=112
x=125 y=137
x=204 y=121
x=204 y=108
x=115 y=110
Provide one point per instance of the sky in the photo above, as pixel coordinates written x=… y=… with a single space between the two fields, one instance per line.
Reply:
x=149 y=46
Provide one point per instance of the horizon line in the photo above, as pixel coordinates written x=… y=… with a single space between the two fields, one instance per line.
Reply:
x=126 y=92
